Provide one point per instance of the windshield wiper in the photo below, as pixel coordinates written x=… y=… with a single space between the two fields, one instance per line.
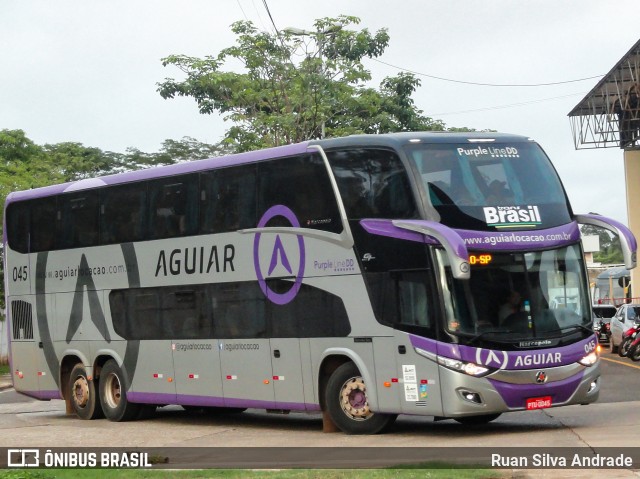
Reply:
x=491 y=331
x=573 y=326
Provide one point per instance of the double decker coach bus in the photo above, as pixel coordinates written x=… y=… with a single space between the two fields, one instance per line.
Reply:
x=364 y=277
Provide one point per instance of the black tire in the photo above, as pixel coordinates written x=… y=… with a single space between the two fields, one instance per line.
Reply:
x=634 y=353
x=84 y=395
x=477 y=420
x=623 y=349
x=347 y=404
x=113 y=394
x=612 y=347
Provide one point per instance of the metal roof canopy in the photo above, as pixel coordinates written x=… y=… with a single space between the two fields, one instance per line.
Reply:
x=609 y=116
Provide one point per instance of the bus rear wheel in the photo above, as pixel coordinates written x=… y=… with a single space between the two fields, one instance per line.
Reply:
x=347 y=403
x=84 y=395
x=113 y=394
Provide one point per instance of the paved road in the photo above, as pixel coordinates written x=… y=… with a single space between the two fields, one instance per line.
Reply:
x=620 y=379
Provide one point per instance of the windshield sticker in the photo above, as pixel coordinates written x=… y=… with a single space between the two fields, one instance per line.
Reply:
x=491 y=151
x=512 y=216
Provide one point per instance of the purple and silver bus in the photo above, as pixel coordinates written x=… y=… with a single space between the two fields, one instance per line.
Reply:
x=436 y=274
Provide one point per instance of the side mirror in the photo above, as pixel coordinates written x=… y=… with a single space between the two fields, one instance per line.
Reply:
x=627 y=240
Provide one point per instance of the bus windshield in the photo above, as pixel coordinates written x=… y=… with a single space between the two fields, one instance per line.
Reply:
x=490 y=186
x=518 y=295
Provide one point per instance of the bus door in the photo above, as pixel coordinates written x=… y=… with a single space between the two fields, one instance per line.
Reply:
x=287 y=366
x=290 y=325
x=154 y=371
x=387 y=372
x=245 y=351
x=416 y=310
x=196 y=356
x=197 y=372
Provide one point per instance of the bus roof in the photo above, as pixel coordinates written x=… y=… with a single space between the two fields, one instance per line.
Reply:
x=394 y=140
x=405 y=138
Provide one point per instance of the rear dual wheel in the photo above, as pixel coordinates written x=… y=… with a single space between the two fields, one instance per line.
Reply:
x=113 y=394
x=83 y=393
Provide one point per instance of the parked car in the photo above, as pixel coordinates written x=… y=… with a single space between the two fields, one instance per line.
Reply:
x=621 y=322
x=602 y=314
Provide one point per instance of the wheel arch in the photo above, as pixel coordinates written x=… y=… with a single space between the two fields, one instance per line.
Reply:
x=69 y=359
x=102 y=356
x=331 y=360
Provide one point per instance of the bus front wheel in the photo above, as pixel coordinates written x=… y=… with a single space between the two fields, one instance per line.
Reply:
x=347 y=403
x=113 y=394
x=84 y=394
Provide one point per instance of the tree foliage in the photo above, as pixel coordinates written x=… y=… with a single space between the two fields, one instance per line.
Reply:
x=298 y=85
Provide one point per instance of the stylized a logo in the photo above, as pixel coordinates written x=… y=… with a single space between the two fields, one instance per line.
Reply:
x=279 y=257
x=77 y=308
x=278 y=250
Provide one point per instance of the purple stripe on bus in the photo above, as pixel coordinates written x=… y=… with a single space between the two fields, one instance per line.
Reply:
x=213 y=401
x=178 y=169
x=451 y=235
x=386 y=228
x=485 y=240
x=530 y=359
x=516 y=395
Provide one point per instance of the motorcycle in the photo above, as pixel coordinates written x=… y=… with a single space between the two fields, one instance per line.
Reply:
x=630 y=339
x=633 y=351
x=602 y=330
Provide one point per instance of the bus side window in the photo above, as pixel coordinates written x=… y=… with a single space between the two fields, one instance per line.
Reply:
x=413 y=303
x=373 y=183
x=301 y=184
x=78 y=219
x=18 y=218
x=228 y=199
x=402 y=300
x=122 y=215
x=238 y=310
x=173 y=207
x=184 y=313
x=143 y=315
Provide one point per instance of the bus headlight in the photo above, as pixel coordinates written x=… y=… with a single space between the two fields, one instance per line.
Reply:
x=590 y=359
x=471 y=369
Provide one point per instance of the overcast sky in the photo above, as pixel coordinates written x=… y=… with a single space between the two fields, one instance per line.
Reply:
x=86 y=71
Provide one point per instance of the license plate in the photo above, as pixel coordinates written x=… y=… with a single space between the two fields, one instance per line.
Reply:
x=538 y=403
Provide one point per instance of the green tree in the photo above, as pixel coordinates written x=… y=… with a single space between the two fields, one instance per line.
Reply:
x=74 y=161
x=298 y=85
x=172 y=151
x=22 y=163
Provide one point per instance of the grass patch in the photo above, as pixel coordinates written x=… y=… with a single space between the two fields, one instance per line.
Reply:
x=241 y=473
